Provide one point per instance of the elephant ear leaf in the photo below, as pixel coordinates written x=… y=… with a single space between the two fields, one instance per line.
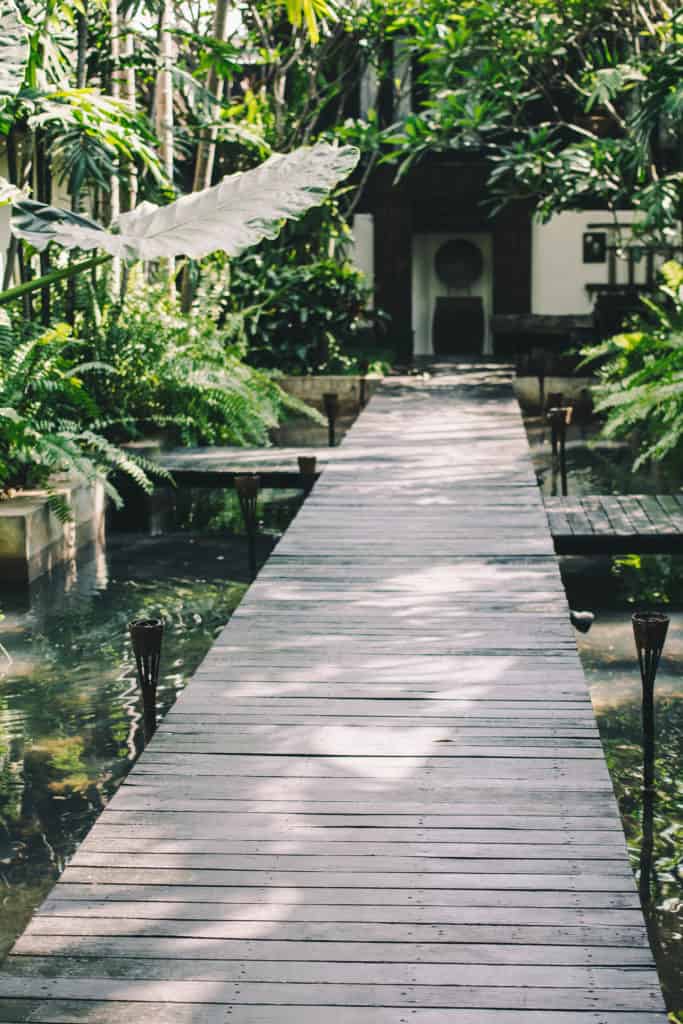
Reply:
x=240 y=211
x=14 y=51
x=40 y=224
x=9 y=193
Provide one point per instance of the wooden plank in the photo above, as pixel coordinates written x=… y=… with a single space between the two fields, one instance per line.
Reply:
x=577 y=518
x=632 y=506
x=241 y=824
x=326 y=862
x=140 y=837
x=206 y=766
x=496 y=965
x=636 y=991
x=239 y=936
x=387 y=914
x=656 y=514
x=620 y=522
x=617 y=524
x=596 y=515
x=672 y=510
x=591 y=879
x=76 y=892
x=558 y=522
x=94 y=1011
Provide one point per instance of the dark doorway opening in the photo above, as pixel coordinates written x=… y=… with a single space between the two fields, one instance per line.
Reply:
x=458 y=325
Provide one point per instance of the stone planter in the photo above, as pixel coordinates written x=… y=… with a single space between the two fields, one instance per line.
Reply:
x=34 y=541
x=311 y=389
x=297 y=430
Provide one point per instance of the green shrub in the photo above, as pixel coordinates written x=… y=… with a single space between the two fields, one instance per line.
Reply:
x=298 y=318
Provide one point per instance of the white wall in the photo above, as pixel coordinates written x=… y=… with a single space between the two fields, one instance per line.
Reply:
x=362 y=254
x=427 y=287
x=558 y=274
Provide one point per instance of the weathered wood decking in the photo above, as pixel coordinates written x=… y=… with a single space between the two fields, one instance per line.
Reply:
x=616 y=524
x=382 y=799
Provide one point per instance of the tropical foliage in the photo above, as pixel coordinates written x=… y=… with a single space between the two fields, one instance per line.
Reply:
x=298 y=318
x=641 y=374
x=184 y=377
x=574 y=103
x=119 y=111
x=49 y=420
x=240 y=211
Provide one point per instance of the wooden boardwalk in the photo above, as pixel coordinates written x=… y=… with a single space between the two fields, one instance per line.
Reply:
x=382 y=799
x=617 y=524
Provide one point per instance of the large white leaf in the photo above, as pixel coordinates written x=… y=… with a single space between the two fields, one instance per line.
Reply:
x=240 y=211
x=9 y=193
x=40 y=224
x=14 y=51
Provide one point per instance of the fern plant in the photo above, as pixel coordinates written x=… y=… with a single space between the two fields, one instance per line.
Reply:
x=182 y=375
x=641 y=375
x=49 y=421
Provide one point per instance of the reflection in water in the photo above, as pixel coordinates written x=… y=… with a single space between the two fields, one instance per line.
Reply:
x=593 y=466
x=652 y=815
x=650 y=631
x=70 y=707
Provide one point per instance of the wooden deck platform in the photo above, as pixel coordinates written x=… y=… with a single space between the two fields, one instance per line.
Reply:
x=217 y=467
x=382 y=799
x=623 y=524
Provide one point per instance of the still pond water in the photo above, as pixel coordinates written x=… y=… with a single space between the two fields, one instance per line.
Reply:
x=70 y=714
x=613 y=588
x=594 y=466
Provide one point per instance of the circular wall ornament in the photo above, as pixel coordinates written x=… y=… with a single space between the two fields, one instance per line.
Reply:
x=459 y=263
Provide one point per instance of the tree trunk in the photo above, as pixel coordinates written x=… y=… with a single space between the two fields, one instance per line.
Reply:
x=43 y=192
x=164 y=109
x=206 y=147
x=81 y=82
x=164 y=89
x=128 y=94
x=13 y=175
x=206 y=150
x=82 y=48
x=115 y=90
